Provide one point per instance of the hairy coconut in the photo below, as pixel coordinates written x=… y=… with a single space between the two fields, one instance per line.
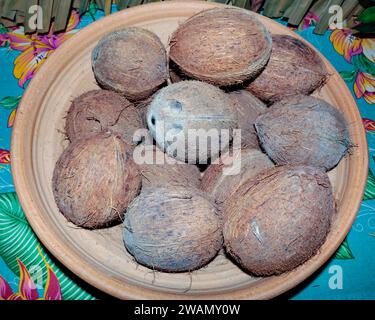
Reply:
x=158 y=169
x=175 y=74
x=142 y=108
x=172 y=229
x=184 y=110
x=249 y=108
x=294 y=68
x=223 y=46
x=303 y=130
x=279 y=219
x=132 y=61
x=94 y=181
x=222 y=180
x=102 y=110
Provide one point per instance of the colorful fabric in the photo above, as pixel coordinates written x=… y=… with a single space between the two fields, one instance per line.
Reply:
x=28 y=272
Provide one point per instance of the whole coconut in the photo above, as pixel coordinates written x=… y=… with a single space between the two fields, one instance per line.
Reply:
x=303 y=130
x=160 y=170
x=221 y=181
x=222 y=46
x=94 y=181
x=186 y=110
x=132 y=61
x=175 y=74
x=294 y=68
x=101 y=110
x=279 y=219
x=249 y=108
x=172 y=229
x=142 y=108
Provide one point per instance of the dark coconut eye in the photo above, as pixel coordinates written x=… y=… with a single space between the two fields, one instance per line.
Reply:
x=175 y=105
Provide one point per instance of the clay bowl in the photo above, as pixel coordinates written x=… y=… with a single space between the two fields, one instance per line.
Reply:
x=99 y=257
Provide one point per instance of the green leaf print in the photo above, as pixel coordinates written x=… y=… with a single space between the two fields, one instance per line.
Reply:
x=370 y=187
x=348 y=76
x=344 y=252
x=363 y=63
x=17 y=240
x=10 y=103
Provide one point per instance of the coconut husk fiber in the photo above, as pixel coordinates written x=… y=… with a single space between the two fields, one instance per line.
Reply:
x=221 y=181
x=279 y=219
x=164 y=171
x=172 y=229
x=222 y=46
x=249 y=108
x=102 y=110
x=304 y=130
x=94 y=181
x=294 y=68
x=132 y=61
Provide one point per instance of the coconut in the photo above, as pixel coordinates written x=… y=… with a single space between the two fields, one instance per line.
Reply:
x=185 y=110
x=159 y=169
x=304 y=130
x=175 y=74
x=249 y=108
x=221 y=181
x=222 y=46
x=279 y=219
x=132 y=61
x=172 y=229
x=142 y=108
x=294 y=68
x=94 y=181
x=101 y=110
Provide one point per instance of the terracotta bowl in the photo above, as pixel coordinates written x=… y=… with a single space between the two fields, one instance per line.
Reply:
x=99 y=257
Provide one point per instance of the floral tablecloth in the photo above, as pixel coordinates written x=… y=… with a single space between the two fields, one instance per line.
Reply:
x=28 y=271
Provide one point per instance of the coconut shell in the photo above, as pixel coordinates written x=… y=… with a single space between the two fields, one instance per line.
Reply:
x=163 y=171
x=101 y=110
x=279 y=219
x=249 y=108
x=94 y=181
x=294 y=68
x=172 y=229
x=142 y=108
x=132 y=61
x=221 y=181
x=181 y=108
x=304 y=130
x=175 y=74
x=222 y=46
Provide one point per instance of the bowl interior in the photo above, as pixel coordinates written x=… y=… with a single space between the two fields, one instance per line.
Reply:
x=100 y=257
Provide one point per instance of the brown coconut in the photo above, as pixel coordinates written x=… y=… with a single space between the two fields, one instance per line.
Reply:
x=160 y=170
x=182 y=107
x=279 y=219
x=294 y=68
x=304 y=130
x=221 y=181
x=222 y=46
x=172 y=229
x=132 y=61
x=102 y=110
x=94 y=181
x=249 y=108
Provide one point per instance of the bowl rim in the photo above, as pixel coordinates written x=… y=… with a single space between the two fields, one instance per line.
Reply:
x=263 y=289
